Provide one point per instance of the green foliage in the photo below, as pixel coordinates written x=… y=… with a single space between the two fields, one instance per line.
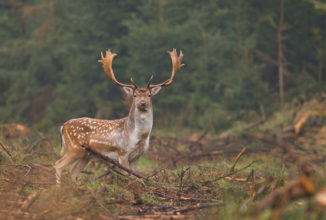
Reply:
x=49 y=51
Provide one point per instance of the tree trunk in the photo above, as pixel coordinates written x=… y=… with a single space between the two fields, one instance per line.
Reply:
x=280 y=56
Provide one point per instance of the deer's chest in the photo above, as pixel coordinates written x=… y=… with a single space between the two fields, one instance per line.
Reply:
x=139 y=138
x=138 y=148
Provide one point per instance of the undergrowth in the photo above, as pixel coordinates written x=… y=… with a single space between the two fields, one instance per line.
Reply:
x=186 y=178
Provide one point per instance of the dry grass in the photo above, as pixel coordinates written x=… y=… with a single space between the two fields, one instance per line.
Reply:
x=187 y=178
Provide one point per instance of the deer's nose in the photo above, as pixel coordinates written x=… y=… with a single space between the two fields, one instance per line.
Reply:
x=142 y=102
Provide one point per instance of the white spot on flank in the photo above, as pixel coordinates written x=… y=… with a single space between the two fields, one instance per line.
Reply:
x=98 y=142
x=70 y=141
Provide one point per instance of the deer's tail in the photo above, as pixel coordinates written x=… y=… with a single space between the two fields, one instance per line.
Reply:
x=63 y=144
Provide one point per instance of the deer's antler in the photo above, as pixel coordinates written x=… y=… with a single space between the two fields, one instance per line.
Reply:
x=107 y=66
x=176 y=66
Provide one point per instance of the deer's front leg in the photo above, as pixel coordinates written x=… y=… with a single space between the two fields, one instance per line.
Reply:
x=133 y=164
x=123 y=160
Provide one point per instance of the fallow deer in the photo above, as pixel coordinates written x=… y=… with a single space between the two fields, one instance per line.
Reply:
x=123 y=140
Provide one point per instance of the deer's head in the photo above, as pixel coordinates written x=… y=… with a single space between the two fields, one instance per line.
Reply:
x=141 y=97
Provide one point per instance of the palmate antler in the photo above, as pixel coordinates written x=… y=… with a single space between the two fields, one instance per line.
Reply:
x=107 y=66
x=176 y=66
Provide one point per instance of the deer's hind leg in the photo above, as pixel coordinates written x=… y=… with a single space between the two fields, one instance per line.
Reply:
x=78 y=167
x=72 y=154
x=60 y=165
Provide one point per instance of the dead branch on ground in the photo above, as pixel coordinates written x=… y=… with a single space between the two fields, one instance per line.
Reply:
x=7 y=152
x=29 y=201
x=229 y=174
x=237 y=158
x=107 y=159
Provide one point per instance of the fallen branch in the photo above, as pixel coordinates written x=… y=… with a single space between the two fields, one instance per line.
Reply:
x=29 y=201
x=131 y=172
x=174 y=214
x=16 y=165
x=237 y=158
x=198 y=206
x=104 y=174
x=5 y=149
x=155 y=172
x=109 y=171
x=107 y=159
x=229 y=174
x=149 y=216
x=40 y=166
x=236 y=179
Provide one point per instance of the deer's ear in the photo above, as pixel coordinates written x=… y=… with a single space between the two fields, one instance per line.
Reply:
x=155 y=90
x=128 y=90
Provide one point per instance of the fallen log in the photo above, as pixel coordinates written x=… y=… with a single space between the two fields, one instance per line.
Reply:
x=107 y=159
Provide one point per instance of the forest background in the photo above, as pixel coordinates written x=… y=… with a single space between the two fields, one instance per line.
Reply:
x=244 y=60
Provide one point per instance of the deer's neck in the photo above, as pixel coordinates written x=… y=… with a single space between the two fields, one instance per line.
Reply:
x=140 y=123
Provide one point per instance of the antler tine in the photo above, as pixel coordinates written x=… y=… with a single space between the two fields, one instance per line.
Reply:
x=107 y=66
x=176 y=66
x=133 y=83
x=149 y=81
